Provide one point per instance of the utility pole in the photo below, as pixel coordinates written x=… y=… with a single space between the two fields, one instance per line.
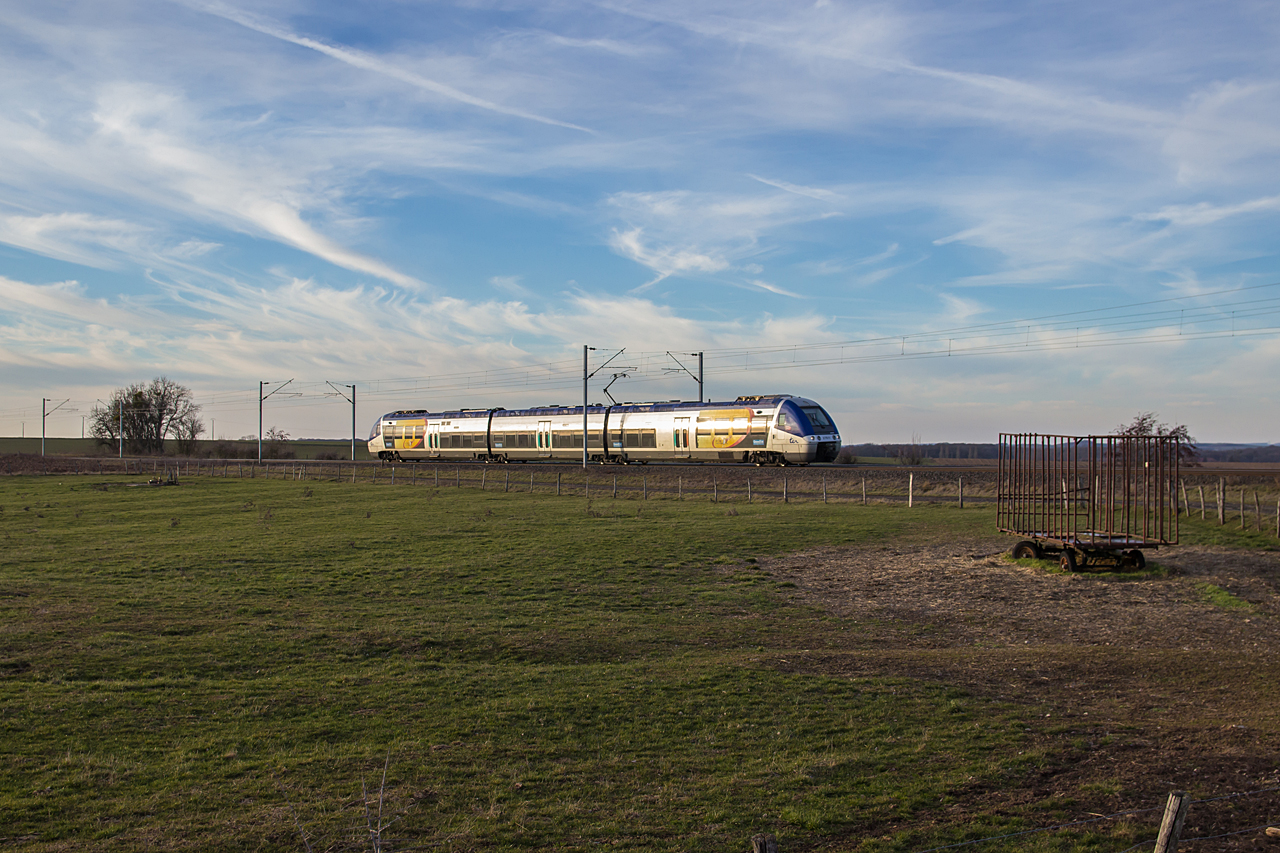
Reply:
x=44 y=414
x=604 y=439
x=682 y=369
x=352 y=401
x=585 y=349
x=261 y=398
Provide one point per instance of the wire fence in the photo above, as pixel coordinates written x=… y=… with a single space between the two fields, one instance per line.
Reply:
x=1126 y=814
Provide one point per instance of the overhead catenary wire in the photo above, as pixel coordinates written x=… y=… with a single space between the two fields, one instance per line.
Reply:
x=1115 y=326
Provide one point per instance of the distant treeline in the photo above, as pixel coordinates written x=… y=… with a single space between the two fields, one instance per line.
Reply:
x=944 y=450
x=947 y=450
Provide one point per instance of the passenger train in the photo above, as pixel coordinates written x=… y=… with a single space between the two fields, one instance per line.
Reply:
x=774 y=429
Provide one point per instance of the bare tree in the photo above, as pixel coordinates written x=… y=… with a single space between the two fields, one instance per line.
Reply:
x=910 y=454
x=147 y=414
x=1148 y=423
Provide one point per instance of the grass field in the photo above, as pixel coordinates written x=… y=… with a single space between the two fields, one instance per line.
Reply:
x=229 y=664
x=300 y=448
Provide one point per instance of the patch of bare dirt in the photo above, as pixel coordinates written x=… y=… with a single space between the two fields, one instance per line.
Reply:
x=1138 y=687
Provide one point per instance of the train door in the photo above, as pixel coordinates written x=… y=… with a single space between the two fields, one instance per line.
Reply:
x=680 y=437
x=544 y=438
x=433 y=439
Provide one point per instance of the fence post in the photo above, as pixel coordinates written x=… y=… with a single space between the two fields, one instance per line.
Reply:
x=824 y=486
x=1257 y=510
x=1201 y=501
x=764 y=844
x=911 y=489
x=962 y=492
x=644 y=484
x=864 y=491
x=1244 y=522
x=1222 y=505
x=1175 y=814
x=557 y=484
x=679 y=488
x=784 y=489
x=715 y=490
x=615 y=485
x=1186 y=504
x=749 y=501
x=483 y=474
x=506 y=487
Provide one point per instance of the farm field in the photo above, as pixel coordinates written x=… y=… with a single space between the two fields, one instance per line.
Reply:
x=278 y=665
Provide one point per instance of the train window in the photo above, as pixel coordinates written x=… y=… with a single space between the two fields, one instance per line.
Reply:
x=817 y=417
x=649 y=438
x=782 y=420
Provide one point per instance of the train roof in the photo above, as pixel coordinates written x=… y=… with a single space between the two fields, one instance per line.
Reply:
x=664 y=406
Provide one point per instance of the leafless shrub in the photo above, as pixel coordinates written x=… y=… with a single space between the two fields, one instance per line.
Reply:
x=910 y=454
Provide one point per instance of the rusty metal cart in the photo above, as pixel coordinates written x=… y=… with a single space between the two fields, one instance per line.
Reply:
x=1093 y=500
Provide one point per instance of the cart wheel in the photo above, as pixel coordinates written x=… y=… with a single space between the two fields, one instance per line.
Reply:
x=1068 y=561
x=1135 y=559
x=1027 y=550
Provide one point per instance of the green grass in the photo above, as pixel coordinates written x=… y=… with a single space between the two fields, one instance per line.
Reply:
x=300 y=448
x=1219 y=597
x=223 y=664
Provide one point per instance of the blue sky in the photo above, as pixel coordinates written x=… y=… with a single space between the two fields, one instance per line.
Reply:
x=443 y=202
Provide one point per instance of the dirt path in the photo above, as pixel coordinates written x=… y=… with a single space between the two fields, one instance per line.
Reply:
x=1139 y=686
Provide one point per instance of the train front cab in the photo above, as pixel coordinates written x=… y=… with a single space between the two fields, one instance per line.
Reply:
x=803 y=432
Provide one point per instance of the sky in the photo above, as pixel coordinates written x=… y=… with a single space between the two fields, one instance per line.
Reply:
x=939 y=220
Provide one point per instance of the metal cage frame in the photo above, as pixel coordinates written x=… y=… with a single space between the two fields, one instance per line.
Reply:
x=1097 y=495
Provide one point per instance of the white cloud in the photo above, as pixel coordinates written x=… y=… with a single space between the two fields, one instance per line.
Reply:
x=367 y=62
x=78 y=237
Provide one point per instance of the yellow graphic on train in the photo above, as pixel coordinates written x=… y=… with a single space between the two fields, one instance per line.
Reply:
x=721 y=429
x=404 y=435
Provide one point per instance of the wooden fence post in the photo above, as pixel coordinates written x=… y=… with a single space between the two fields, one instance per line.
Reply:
x=1175 y=814
x=911 y=489
x=644 y=484
x=961 y=490
x=1222 y=505
x=457 y=477
x=1257 y=510
x=1186 y=505
x=506 y=486
x=1202 y=501
x=679 y=488
x=557 y=484
x=715 y=490
x=784 y=490
x=615 y=485
x=824 y=487
x=1244 y=522
x=483 y=473
x=749 y=501
x=764 y=844
x=864 y=491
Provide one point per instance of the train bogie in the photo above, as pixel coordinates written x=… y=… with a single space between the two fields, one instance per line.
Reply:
x=777 y=429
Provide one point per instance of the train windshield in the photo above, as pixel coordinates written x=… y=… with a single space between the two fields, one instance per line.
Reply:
x=376 y=431
x=819 y=419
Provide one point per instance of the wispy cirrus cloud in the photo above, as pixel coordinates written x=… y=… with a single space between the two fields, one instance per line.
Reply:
x=367 y=62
